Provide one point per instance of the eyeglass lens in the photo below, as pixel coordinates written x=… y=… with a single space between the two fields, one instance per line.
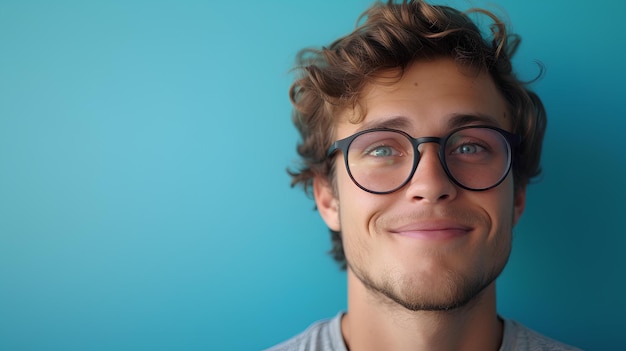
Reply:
x=475 y=158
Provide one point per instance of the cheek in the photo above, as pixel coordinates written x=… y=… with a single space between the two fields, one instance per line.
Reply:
x=497 y=207
x=508 y=202
x=358 y=211
x=495 y=245
x=502 y=212
x=357 y=207
x=354 y=208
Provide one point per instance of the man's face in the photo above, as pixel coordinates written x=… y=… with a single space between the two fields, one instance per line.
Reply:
x=430 y=245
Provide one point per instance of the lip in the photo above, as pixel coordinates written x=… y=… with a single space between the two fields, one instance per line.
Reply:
x=433 y=230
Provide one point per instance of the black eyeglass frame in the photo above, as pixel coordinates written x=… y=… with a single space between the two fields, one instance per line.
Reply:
x=512 y=141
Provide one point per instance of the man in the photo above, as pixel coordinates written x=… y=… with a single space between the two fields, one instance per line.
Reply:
x=418 y=142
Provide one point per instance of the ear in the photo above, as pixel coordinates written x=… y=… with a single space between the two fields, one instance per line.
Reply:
x=327 y=203
x=519 y=203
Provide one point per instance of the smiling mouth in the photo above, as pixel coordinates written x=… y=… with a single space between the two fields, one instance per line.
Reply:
x=433 y=231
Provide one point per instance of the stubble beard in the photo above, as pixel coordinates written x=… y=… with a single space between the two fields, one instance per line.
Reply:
x=452 y=292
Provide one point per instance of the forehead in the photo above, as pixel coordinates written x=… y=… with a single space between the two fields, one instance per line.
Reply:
x=431 y=97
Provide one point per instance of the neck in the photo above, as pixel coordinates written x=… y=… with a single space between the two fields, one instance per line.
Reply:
x=372 y=324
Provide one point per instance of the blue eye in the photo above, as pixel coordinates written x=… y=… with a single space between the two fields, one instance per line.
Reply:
x=469 y=149
x=382 y=151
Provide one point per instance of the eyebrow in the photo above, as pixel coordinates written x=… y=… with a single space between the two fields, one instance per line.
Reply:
x=397 y=122
x=456 y=121
x=462 y=120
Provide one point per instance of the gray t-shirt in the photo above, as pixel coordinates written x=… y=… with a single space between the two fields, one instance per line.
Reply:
x=326 y=336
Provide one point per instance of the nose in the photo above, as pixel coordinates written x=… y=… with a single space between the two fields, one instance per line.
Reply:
x=430 y=183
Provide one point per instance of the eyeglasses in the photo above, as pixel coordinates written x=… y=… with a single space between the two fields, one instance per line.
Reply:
x=383 y=160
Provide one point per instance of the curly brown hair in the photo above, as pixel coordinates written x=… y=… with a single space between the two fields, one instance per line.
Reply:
x=392 y=36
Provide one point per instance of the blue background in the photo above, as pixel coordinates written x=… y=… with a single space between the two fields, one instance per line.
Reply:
x=144 y=203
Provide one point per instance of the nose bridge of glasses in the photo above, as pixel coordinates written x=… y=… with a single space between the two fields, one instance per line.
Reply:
x=429 y=177
x=417 y=142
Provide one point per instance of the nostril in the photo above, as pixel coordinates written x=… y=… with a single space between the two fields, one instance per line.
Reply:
x=444 y=197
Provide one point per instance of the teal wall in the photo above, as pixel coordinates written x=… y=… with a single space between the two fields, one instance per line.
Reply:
x=144 y=203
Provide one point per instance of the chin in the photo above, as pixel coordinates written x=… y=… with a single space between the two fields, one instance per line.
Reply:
x=443 y=296
x=436 y=290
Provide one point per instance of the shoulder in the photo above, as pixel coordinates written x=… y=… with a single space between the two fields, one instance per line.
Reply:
x=520 y=338
x=320 y=336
